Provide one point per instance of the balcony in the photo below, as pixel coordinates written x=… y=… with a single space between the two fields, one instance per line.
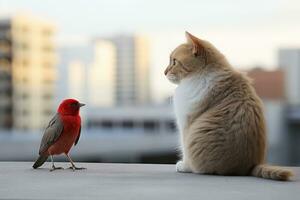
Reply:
x=134 y=181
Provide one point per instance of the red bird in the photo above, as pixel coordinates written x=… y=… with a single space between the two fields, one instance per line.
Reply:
x=61 y=133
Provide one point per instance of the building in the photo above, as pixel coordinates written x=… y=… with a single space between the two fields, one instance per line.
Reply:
x=102 y=75
x=6 y=120
x=144 y=120
x=73 y=65
x=106 y=72
x=76 y=80
x=270 y=87
x=87 y=73
x=132 y=73
x=27 y=60
x=289 y=61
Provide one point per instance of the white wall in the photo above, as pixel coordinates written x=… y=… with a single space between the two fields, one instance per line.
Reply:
x=289 y=61
x=276 y=131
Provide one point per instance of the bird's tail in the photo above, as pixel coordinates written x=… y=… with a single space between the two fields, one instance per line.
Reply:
x=41 y=160
x=272 y=172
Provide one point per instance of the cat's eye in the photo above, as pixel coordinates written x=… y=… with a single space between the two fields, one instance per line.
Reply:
x=174 y=61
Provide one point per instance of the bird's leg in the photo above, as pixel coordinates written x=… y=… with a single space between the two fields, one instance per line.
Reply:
x=73 y=165
x=53 y=166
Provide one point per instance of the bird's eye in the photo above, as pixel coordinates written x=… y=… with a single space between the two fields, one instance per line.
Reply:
x=73 y=104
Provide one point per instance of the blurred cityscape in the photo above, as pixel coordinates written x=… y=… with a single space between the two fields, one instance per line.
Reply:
x=121 y=122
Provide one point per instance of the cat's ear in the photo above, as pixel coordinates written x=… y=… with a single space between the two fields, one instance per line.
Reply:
x=197 y=46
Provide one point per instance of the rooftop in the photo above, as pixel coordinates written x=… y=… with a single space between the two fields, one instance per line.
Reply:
x=134 y=181
x=268 y=84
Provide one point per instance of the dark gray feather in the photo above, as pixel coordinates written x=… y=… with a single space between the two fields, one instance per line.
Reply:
x=77 y=139
x=40 y=161
x=52 y=133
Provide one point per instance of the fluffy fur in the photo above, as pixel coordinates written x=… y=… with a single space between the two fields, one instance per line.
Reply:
x=219 y=116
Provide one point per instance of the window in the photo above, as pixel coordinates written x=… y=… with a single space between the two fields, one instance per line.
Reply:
x=25 y=112
x=4 y=47
x=47 y=64
x=4 y=63
x=47 y=96
x=25 y=29
x=46 y=32
x=127 y=124
x=25 y=80
x=47 y=81
x=150 y=125
x=25 y=96
x=170 y=125
x=106 y=124
x=47 y=48
x=25 y=62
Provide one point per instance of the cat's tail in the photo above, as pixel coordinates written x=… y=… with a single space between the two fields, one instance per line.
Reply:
x=272 y=172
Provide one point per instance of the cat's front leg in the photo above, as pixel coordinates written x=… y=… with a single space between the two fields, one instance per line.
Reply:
x=182 y=167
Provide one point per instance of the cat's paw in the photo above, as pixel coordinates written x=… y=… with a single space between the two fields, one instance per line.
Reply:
x=182 y=167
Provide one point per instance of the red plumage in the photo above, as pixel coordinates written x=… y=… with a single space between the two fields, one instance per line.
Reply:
x=62 y=132
x=72 y=122
x=68 y=136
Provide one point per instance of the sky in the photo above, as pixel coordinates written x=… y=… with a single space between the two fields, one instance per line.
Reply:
x=249 y=33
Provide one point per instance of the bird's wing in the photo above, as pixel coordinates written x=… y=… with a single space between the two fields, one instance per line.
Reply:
x=52 y=133
x=77 y=139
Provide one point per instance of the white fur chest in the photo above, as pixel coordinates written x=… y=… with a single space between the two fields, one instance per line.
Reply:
x=188 y=94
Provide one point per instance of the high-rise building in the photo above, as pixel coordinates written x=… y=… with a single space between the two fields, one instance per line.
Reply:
x=289 y=62
x=269 y=86
x=74 y=63
x=5 y=75
x=106 y=72
x=102 y=75
x=76 y=80
x=27 y=60
x=132 y=72
x=87 y=72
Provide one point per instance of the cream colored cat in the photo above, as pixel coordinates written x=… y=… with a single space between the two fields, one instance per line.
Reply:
x=219 y=115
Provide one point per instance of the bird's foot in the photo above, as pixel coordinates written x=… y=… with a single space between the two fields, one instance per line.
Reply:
x=55 y=168
x=76 y=168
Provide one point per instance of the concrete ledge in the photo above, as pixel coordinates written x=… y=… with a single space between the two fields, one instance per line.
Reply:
x=134 y=181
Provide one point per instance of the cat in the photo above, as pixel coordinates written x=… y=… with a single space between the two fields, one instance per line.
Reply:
x=219 y=115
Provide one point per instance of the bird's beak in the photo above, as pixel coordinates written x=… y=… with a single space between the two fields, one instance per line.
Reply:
x=81 y=104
